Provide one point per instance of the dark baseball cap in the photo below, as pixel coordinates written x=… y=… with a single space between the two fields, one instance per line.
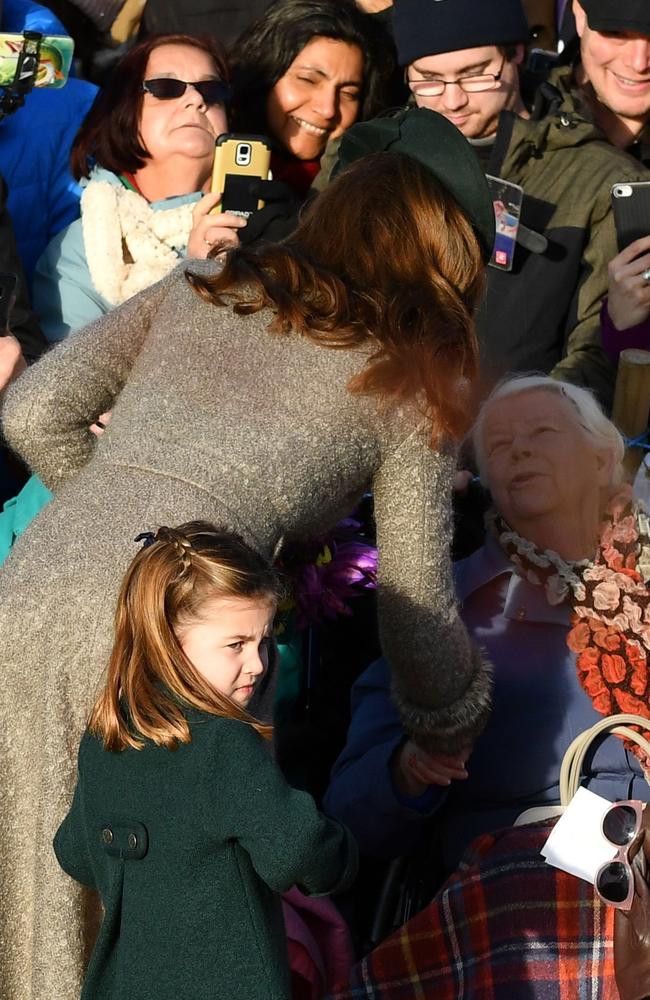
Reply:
x=618 y=15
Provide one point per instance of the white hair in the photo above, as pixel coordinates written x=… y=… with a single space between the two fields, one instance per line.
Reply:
x=597 y=427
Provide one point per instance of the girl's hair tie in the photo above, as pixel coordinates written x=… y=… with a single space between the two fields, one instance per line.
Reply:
x=146 y=537
x=181 y=545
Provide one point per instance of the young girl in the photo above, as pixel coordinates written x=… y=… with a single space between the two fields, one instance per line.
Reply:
x=180 y=818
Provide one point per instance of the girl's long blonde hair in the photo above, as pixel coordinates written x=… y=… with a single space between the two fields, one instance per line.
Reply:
x=149 y=677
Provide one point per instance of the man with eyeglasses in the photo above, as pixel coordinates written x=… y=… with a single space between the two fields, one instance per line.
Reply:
x=462 y=60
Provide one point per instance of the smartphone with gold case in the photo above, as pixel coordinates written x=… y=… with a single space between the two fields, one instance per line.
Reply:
x=238 y=159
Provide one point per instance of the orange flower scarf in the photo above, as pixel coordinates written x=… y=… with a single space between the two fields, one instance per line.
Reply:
x=610 y=602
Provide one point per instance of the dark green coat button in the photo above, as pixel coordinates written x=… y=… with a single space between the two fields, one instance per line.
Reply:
x=107 y=835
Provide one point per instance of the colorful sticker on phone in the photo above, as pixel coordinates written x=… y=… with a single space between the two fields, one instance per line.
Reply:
x=55 y=59
x=507 y=199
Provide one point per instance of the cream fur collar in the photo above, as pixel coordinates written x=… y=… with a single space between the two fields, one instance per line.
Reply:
x=129 y=246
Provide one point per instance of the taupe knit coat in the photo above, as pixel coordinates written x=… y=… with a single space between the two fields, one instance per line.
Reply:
x=213 y=418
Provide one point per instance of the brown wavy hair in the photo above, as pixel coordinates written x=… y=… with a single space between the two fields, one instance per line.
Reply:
x=384 y=256
x=149 y=677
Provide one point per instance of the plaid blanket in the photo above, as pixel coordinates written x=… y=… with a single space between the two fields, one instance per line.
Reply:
x=505 y=926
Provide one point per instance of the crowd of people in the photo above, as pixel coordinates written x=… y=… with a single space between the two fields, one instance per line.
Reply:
x=318 y=549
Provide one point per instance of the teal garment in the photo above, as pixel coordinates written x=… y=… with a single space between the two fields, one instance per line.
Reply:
x=19 y=511
x=63 y=295
x=190 y=850
x=289 y=673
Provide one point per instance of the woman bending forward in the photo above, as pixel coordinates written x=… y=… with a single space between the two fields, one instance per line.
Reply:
x=264 y=397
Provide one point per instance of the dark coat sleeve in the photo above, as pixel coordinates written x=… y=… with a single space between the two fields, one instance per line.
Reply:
x=361 y=793
x=22 y=321
x=288 y=841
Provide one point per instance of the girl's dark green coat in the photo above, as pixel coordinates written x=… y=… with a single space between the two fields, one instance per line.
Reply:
x=190 y=850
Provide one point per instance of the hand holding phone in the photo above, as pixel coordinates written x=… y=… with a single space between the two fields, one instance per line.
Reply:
x=210 y=230
x=628 y=292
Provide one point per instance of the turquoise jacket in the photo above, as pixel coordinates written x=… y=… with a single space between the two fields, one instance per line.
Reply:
x=19 y=511
x=63 y=294
x=190 y=851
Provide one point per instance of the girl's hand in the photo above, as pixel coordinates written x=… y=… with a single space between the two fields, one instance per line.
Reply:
x=12 y=362
x=101 y=424
x=209 y=230
x=628 y=300
x=414 y=770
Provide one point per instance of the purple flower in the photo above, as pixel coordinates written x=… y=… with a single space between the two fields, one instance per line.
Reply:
x=322 y=589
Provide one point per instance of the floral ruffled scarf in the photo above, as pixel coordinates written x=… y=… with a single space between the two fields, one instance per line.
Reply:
x=610 y=602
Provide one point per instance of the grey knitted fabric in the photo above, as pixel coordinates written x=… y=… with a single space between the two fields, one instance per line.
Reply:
x=213 y=418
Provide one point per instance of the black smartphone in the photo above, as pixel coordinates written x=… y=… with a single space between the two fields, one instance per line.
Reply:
x=631 y=204
x=8 y=282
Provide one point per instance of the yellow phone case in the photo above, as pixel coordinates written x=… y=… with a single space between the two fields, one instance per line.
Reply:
x=238 y=158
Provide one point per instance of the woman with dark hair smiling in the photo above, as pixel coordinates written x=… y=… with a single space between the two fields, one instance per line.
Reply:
x=265 y=396
x=304 y=72
x=145 y=152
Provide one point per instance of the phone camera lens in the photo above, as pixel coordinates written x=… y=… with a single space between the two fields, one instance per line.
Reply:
x=243 y=154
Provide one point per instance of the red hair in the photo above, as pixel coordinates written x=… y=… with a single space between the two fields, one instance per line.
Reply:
x=384 y=255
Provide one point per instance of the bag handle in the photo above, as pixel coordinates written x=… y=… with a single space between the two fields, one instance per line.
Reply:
x=573 y=760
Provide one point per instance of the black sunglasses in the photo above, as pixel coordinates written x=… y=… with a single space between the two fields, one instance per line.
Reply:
x=168 y=88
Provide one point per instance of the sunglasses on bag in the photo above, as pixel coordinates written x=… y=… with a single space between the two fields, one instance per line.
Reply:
x=615 y=880
x=168 y=88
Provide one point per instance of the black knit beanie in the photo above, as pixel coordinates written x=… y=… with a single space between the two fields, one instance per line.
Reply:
x=431 y=27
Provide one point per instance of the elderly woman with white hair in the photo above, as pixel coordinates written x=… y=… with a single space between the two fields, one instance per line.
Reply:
x=558 y=598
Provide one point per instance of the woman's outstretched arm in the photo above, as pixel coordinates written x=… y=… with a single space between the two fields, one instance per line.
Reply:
x=441 y=684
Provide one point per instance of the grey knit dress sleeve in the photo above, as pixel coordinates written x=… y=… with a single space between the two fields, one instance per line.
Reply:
x=441 y=685
x=47 y=412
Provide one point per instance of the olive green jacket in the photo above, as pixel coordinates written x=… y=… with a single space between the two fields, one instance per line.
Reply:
x=545 y=314
x=190 y=850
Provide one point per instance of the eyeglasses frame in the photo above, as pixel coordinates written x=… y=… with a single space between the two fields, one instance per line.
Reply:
x=458 y=82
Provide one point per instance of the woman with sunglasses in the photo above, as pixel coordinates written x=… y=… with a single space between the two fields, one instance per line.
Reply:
x=144 y=155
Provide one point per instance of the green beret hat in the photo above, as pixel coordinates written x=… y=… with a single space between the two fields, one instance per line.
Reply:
x=429 y=138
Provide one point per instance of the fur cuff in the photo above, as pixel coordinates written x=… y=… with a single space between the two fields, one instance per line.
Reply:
x=447 y=730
